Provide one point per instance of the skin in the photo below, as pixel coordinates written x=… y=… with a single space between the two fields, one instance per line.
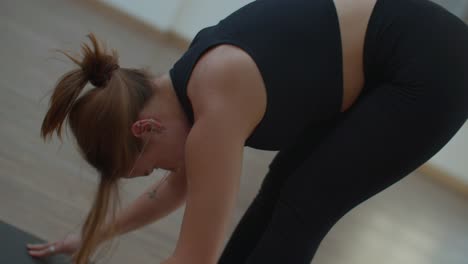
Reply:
x=353 y=17
x=211 y=152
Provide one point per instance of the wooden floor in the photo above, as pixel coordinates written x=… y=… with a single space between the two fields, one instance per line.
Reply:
x=46 y=188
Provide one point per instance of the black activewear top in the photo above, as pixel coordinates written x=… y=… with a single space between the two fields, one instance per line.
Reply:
x=296 y=44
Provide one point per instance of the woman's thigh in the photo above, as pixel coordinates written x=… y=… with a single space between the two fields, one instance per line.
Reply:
x=389 y=132
x=256 y=218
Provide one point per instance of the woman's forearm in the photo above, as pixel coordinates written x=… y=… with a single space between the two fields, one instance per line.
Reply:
x=151 y=205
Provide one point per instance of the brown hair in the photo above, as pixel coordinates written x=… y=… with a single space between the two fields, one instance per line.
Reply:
x=100 y=121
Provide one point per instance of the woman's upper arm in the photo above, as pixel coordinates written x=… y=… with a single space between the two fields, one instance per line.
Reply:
x=213 y=164
x=178 y=181
x=226 y=82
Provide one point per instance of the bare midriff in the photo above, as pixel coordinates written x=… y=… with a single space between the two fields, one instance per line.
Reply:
x=353 y=16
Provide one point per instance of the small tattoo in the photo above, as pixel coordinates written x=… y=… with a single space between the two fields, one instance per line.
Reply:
x=152 y=194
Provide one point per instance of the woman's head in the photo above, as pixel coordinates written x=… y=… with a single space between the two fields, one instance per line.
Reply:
x=162 y=127
x=101 y=118
x=117 y=127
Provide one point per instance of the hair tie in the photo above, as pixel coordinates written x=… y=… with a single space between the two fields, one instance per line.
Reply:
x=100 y=79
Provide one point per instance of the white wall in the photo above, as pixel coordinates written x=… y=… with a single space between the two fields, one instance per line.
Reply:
x=195 y=15
x=457 y=7
x=158 y=13
x=184 y=17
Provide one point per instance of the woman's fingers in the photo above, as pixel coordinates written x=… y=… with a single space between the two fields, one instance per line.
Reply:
x=40 y=253
x=43 y=250
x=38 y=246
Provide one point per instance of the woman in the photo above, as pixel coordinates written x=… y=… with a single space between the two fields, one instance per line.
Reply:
x=355 y=96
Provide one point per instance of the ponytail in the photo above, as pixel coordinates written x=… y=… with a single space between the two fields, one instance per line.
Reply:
x=100 y=121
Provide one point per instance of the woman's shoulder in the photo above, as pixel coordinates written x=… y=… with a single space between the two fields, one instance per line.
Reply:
x=223 y=58
x=226 y=78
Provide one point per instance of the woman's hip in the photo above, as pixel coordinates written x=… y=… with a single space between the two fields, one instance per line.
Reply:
x=416 y=43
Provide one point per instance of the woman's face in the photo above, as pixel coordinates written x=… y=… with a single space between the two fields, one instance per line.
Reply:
x=162 y=148
x=165 y=145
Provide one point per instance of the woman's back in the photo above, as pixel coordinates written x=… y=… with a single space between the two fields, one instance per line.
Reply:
x=297 y=49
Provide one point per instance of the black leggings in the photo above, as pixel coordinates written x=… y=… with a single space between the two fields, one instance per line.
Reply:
x=414 y=102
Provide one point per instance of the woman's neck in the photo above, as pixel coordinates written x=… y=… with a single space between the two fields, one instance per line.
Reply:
x=165 y=103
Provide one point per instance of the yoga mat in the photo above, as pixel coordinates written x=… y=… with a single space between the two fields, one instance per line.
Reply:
x=13 y=247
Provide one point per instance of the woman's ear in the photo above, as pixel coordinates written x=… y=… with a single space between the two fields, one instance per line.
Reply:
x=149 y=125
x=137 y=129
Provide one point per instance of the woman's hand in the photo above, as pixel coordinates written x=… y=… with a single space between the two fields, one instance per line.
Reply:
x=68 y=246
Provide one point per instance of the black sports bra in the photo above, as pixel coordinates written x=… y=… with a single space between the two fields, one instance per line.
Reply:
x=296 y=45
